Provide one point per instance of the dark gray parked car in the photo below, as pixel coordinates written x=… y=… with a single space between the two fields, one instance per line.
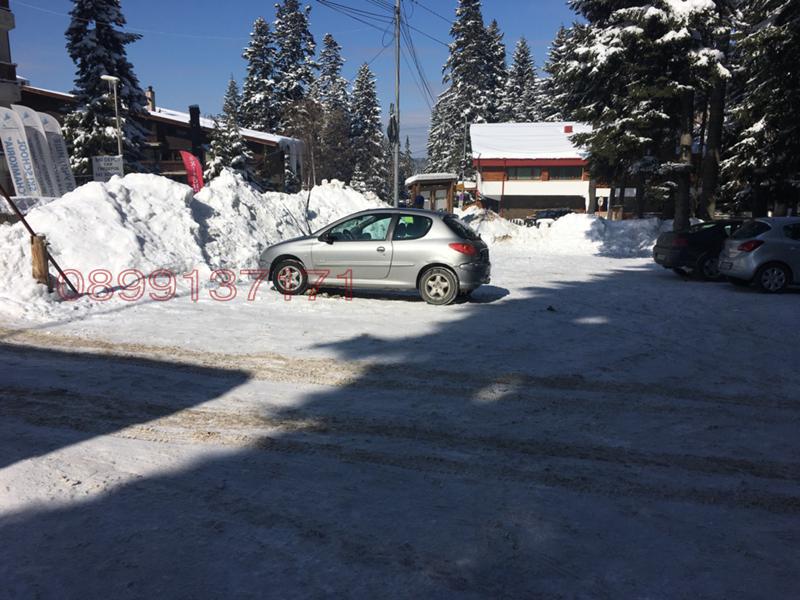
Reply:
x=399 y=249
x=765 y=252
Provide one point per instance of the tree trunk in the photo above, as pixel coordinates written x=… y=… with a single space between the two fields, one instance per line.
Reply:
x=780 y=207
x=639 y=196
x=683 y=196
x=612 y=196
x=759 y=208
x=710 y=170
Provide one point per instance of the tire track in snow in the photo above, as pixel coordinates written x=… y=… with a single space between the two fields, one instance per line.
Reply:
x=578 y=467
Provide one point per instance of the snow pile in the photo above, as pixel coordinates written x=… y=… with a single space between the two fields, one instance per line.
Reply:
x=148 y=222
x=239 y=222
x=140 y=222
x=574 y=234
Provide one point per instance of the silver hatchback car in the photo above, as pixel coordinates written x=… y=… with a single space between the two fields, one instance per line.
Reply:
x=764 y=251
x=387 y=248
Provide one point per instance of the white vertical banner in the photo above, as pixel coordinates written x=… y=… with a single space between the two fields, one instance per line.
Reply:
x=18 y=154
x=40 y=151
x=58 y=152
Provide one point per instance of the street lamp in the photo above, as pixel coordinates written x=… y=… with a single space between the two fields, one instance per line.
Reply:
x=112 y=84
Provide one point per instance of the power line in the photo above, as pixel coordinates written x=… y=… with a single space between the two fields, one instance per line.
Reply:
x=433 y=12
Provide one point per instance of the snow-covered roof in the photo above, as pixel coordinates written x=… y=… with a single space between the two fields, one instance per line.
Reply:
x=422 y=177
x=181 y=117
x=206 y=123
x=526 y=140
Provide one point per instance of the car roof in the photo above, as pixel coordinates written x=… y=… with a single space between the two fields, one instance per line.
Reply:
x=779 y=220
x=392 y=211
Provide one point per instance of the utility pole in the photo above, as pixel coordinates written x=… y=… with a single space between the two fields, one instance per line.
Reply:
x=397 y=102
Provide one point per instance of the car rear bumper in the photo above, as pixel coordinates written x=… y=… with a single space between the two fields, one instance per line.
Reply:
x=670 y=258
x=474 y=274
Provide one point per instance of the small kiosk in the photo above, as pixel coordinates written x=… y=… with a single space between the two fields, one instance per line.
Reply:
x=437 y=189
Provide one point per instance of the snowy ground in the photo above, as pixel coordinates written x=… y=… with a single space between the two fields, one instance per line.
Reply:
x=585 y=427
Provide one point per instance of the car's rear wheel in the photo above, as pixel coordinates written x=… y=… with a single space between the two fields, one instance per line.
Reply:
x=707 y=268
x=290 y=277
x=773 y=278
x=438 y=286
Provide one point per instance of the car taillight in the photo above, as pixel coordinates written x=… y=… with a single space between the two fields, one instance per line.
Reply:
x=467 y=249
x=749 y=246
x=680 y=242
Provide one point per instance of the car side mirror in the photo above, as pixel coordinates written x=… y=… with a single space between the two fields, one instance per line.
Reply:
x=326 y=237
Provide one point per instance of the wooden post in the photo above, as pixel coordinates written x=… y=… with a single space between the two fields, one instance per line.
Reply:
x=39 y=260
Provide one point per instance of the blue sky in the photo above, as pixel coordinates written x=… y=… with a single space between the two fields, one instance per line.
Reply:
x=190 y=48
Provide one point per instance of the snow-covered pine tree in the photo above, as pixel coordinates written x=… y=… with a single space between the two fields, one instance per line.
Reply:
x=520 y=97
x=330 y=88
x=468 y=98
x=228 y=149
x=96 y=44
x=259 y=110
x=294 y=61
x=498 y=69
x=765 y=155
x=367 y=139
x=407 y=166
x=550 y=103
x=634 y=73
x=330 y=92
x=443 y=154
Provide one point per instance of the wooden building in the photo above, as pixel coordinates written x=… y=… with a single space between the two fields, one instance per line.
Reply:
x=171 y=131
x=436 y=189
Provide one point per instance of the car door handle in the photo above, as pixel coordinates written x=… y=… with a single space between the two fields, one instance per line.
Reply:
x=381 y=249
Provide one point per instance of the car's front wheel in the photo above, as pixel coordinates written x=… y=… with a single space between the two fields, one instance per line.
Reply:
x=773 y=278
x=438 y=286
x=290 y=277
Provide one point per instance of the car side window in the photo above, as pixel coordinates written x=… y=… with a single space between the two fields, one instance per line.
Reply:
x=362 y=229
x=412 y=227
x=792 y=231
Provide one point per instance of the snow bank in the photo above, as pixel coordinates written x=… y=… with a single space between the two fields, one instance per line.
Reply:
x=148 y=222
x=239 y=222
x=576 y=234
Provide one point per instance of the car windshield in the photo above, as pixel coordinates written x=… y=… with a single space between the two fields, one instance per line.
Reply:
x=750 y=229
x=461 y=229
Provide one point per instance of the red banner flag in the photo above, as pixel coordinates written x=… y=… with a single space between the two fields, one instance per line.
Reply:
x=194 y=170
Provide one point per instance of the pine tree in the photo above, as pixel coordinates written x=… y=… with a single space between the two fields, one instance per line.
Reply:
x=228 y=149
x=294 y=62
x=96 y=44
x=407 y=165
x=443 y=154
x=520 y=96
x=498 y=71
x=469 y=97
x=550 y=94
x=765 y=155
x=635 y=72
x=367 y=139
x=259 y=110
x=330 y=92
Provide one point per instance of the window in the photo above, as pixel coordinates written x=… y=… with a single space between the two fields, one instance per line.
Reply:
x=364 y=228
x=566 y=173
x=412 y=227
x=750 y=229
x=524 y=173
x=461 y=229
x=792 y=231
